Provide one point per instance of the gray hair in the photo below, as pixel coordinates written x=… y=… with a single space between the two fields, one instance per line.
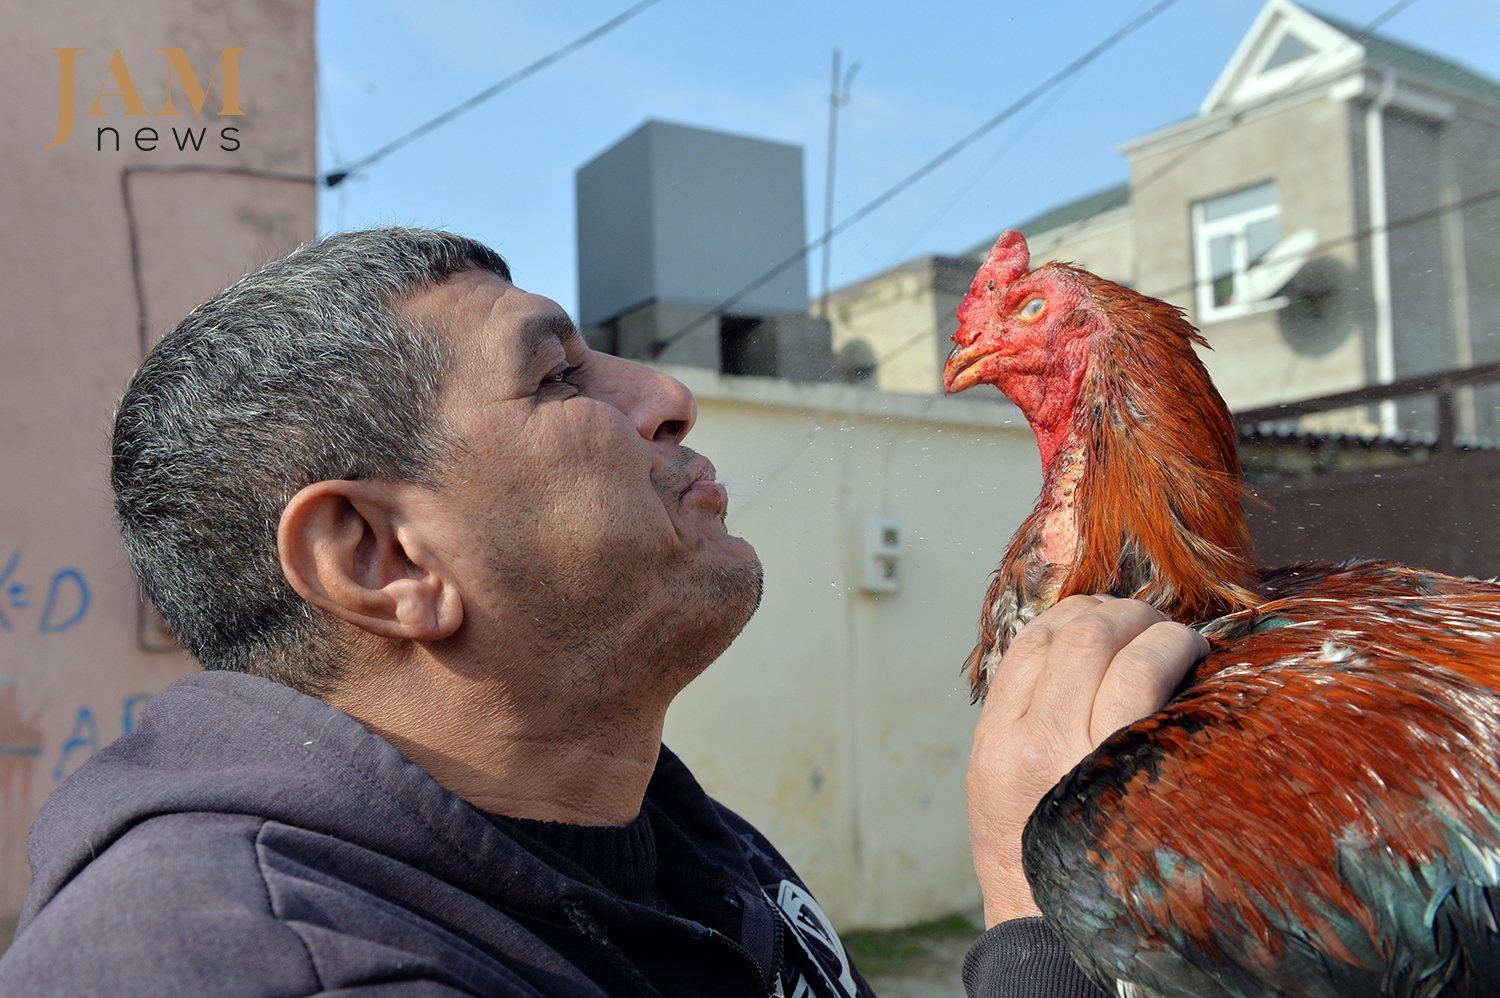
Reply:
x=301 y=372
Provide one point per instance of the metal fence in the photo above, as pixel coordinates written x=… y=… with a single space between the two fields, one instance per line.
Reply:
x=1422 y=488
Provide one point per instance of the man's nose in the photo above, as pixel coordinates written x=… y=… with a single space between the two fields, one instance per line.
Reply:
x=660 y=406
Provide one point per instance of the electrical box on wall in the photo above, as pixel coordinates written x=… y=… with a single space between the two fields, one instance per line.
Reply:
x=883 y=543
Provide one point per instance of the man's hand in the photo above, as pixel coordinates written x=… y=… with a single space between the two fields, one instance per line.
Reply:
x=1074 y=675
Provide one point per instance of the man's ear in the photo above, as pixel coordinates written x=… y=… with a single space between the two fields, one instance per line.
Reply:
x=347 y=548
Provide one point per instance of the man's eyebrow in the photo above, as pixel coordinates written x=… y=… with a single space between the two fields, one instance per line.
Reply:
x=541 y=330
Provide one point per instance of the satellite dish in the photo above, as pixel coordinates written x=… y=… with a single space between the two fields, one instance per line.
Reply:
x=1277 y=267
x=1319 y=313
x=856 y=362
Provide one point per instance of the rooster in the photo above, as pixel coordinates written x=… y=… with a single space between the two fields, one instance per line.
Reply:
x=1317 y=810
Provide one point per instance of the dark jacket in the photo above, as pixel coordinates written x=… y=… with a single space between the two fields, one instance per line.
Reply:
x=250 y=840
x=1022 y=958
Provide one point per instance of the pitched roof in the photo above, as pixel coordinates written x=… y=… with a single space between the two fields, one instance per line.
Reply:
x=1424 y=65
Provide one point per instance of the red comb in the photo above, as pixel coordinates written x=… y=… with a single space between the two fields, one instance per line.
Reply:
x=1009 y=259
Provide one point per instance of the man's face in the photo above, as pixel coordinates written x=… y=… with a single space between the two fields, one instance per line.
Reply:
x=572 y=511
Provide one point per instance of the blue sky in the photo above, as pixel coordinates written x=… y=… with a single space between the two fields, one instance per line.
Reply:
x=504 y=172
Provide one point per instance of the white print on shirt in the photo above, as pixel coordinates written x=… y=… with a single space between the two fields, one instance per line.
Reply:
x=815 y=934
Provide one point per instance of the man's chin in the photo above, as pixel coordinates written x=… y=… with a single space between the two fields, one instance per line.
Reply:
x=728 y=596
x=736 y=588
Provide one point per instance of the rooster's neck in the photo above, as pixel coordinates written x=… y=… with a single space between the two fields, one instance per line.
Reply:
x=1063 y=467
x=1141 y=478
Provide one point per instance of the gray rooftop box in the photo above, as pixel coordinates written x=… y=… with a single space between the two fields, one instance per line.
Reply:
x=684 y=215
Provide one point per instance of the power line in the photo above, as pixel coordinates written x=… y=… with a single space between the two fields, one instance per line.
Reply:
x=962 y=190
x=1201 y=143
x=1365 y=233
x=338 y=176
x=656 y=348
x=132 y=227
x=1389 y=13
x=325 y=118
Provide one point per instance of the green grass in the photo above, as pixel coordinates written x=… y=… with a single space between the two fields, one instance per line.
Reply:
x=885 y=952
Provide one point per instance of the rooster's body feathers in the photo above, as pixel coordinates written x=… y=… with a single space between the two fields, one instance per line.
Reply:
x=1317 y=814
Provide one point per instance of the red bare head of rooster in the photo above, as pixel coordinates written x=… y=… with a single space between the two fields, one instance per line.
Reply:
x=1141 y=477
x=1030 y=334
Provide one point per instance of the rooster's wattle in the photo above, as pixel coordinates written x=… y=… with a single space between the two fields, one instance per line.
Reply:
x=1317 y=811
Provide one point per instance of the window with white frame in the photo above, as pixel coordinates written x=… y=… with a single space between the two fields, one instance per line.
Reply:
x=1231 y=234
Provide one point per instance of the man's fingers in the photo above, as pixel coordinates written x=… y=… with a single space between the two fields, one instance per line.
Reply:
x=1143 y=675
x=1026 y=662
x=1086 y=667
x=1082 y=652
x=1089 y=666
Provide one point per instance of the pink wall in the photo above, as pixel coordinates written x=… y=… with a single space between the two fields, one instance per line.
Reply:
x=73 y=673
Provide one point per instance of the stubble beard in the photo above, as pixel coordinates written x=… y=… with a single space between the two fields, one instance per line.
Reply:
x=728 y=597
x=626 y=645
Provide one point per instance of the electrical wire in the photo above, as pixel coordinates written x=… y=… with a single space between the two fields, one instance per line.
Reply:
x=1239 y=115
x=655 y=349
x=962 y=190
x=339 y=175
x=325 y=118
x=1365 y=233
x=153 y=637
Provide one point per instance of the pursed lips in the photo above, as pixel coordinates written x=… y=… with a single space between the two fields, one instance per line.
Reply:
x=702 y=483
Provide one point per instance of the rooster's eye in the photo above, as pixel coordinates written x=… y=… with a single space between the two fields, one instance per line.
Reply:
x=1033 y=308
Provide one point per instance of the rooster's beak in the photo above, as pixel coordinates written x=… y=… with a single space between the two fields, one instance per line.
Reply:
x=963 y=369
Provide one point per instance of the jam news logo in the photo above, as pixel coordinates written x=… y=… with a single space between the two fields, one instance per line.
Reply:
x=147 y=137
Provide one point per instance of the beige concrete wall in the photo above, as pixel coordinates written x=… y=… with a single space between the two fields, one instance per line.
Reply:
x=1306 y=149
x=839 y=722
x=71 y=674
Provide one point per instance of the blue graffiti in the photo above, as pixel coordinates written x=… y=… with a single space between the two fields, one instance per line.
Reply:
x=81 y=597
x=85 y=736
x=15 y=594
x=130 y=710
x=67 y=598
